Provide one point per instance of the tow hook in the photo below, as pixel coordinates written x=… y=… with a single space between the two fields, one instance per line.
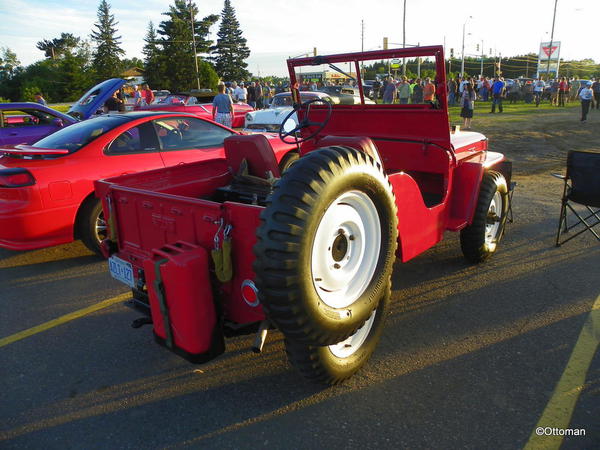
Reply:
x=261 y=337
x=138 y=323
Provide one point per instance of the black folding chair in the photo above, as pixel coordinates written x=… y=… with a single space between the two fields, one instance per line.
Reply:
x=582 y=186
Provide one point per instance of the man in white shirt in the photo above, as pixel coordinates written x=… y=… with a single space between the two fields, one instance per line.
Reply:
x=538 y=90
x=240 y=93
x=587 y=96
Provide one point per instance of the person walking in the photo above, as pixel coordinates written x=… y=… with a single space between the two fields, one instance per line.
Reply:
x=596 y=91
x=222 y=111
x=587 y=97
x=498 y=90
x=538 y=90
x=468 y=105
x=563 y=90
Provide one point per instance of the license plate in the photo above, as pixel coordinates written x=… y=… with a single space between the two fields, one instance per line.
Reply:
x=121 y=270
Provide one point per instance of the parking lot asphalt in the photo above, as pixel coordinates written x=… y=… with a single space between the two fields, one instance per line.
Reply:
x=471 y=356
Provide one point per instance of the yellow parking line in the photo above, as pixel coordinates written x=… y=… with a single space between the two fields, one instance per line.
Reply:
x=559 y=410
x=63 y=319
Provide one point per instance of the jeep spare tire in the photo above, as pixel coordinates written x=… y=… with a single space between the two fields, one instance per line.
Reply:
x=326 y=245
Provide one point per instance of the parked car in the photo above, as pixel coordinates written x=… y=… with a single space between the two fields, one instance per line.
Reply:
x=24 y=123
x=90 y=104
x=198 y=103
x=344 y=95
x=46 y=189
x=160 y=95
x=270 y=119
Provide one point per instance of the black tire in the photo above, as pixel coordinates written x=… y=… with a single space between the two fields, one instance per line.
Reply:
x=292 y=244
x=91 y=226
x=325 y=364
x=287 y=161
x=479 y=240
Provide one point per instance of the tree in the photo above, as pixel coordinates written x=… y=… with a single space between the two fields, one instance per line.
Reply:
x=153 y=58
x=231 y=50
x=58 y=47
x=10 y=68
x=107 y=57
x=176 y=64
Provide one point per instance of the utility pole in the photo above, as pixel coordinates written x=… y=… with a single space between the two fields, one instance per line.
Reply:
x=419 y=63
x=194 y=45
x=550 y=46
x=404 y=38
x=481 y=74
x=462 y=66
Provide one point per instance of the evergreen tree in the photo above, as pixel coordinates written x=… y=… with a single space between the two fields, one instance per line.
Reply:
x=107 y=57
x=153 y=59
x=176 y=64
x=231 y=50
x=58 y=47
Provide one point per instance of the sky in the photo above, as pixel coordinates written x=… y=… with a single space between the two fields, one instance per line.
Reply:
x=278 y=29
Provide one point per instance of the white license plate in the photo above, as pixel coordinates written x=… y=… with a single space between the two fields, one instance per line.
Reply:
x=121 y=270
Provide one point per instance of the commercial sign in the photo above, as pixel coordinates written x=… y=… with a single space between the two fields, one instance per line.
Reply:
x=549 y=50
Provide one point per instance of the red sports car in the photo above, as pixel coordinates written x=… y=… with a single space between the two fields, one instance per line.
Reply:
x=46 y=189
x=198 y=105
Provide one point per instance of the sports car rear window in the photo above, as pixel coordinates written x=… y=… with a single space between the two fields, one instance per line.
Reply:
x=80 y=134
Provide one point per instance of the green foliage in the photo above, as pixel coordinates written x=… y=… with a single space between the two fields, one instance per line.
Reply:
x=169 y=51
x=4 y=100
x=231 y=50
x=107 y=56
x=58 y=47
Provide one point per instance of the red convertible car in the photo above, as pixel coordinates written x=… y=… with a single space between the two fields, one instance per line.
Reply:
x=46 y=189
x=200 y=105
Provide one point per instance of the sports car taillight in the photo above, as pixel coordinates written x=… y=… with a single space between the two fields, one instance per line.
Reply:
x=16 y=177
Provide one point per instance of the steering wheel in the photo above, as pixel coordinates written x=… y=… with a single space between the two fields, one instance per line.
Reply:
x=304 y=123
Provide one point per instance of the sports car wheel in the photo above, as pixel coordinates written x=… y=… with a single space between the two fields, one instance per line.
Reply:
x=479 y=240
x=335 y=363
x=92 y=226
x=326 y=245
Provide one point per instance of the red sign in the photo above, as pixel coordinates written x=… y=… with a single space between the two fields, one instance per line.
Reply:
x=547 y=50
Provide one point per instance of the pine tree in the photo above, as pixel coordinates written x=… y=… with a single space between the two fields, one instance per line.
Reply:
x=153 y=59
x=231 y=50
x=107 y=61
x=178 y=69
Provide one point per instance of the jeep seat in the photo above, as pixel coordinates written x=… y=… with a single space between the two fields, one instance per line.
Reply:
x=257 y=152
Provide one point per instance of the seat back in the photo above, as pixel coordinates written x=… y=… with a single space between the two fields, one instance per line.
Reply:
x=257 y=152
x=583 y=170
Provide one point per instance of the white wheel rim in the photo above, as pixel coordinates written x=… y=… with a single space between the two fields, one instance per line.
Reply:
x=100 y=227
x=349 y=346
x=494 y=217
x=346 y=249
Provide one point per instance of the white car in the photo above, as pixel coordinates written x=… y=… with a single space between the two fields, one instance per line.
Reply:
x=269 y=120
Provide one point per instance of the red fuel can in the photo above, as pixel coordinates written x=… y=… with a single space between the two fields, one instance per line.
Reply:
x=181 y=301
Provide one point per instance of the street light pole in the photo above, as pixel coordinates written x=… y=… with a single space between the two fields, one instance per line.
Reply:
x=462 y=66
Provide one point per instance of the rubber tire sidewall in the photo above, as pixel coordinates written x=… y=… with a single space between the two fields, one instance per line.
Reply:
x=88 y=217
x=298 y=310
x=472 y=238
x=320 y=365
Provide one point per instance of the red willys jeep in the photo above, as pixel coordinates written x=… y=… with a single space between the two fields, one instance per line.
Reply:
x=224 y=246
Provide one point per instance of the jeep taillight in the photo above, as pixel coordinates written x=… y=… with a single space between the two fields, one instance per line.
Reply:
x=16 y=177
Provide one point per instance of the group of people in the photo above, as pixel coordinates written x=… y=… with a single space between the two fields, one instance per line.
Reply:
x=405 y=91
x=140 y=97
